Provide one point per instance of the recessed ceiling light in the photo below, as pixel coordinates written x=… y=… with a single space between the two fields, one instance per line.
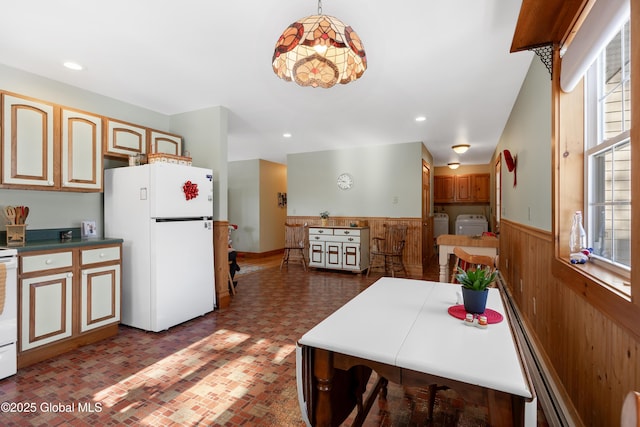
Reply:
x=421 y=119
x=73 y=66
x=286 y=135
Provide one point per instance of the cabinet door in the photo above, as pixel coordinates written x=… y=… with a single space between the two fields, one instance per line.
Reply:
x=351 y=256
x=124 y=140
x=160 y=142
x=333 y=255
x=463 y=188
x=27 y=142
x=481 y=192
x=316 y=254
x=46 y=309
x=443 y=191
x=81 y=151
x=99 y=297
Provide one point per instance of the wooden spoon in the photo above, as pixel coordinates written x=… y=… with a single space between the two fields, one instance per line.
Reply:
x=10 y=213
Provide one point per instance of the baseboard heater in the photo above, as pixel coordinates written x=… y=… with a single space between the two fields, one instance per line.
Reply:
x=555 y=411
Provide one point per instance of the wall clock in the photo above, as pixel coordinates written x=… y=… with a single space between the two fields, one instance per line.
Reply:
x=345 y=181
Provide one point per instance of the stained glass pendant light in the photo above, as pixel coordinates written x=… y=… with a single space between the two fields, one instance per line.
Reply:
x=319 y=51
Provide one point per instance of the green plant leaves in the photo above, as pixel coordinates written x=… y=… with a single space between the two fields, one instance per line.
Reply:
x=476 y=279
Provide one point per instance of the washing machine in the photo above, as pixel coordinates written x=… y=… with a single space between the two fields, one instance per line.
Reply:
x=440 y=224
x=471 y=225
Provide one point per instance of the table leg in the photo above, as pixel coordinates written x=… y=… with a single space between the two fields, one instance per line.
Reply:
x=443 y=260
x=444 y=268
x=323 y=371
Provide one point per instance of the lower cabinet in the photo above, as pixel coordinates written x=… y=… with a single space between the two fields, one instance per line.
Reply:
x=46 y=309
x=99 y=297
x=339 y=248
x=67 y=298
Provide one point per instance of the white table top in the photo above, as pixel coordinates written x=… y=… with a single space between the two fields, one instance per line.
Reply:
x=405 y=323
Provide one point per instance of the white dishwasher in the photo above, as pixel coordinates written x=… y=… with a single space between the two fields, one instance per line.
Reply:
x=8 y=311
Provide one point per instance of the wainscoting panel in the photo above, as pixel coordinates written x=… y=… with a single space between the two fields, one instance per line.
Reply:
x=594 y=360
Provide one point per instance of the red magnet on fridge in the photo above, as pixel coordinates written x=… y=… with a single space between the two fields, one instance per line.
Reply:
x=190 y=190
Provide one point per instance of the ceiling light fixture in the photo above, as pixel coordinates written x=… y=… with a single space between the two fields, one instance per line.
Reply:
x=319 y=50
x=286 y=135
x=73 y=66
x=461 y=148
x=421 y=119
x=454 y=165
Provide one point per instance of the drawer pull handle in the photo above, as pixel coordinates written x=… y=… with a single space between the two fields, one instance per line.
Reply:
x=320 y=231
x=316 y=237
x=49 y=261
x=346 y=232
x=350 y=239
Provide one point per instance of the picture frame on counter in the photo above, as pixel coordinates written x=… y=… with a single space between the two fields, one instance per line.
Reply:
x=89 y=229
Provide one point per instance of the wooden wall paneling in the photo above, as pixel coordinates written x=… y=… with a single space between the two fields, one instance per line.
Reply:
x=595 y=359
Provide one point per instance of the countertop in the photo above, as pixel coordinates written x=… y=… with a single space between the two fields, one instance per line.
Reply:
x=49 y=239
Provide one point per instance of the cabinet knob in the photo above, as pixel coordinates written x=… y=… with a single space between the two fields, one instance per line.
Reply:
x=101 y=254
x=350 y=239
x=69 y=274
x=49 y=261
x=50 y=182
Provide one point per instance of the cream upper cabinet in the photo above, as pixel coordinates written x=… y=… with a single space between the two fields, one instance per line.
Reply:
x=166 y=143
x=27 y=142
x=124 y=139
x=81 y=161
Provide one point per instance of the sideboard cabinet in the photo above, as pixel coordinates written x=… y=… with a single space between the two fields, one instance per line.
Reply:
x=339 y=248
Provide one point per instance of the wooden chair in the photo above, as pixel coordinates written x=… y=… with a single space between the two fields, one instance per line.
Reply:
x=386 y=251
x=294 y=240
x=465 y=261
x=630 y=416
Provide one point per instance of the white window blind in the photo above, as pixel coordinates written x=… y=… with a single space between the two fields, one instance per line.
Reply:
x=604 y=20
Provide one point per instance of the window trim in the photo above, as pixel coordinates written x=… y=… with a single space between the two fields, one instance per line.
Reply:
x=567 y=133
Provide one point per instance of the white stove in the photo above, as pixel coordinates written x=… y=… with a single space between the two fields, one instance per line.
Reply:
x=8 y=311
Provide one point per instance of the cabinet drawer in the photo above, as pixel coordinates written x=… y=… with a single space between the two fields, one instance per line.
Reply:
x=93 y=256
x=346 y=239
x=32 y=263
x=346 y=232
x=321 y=231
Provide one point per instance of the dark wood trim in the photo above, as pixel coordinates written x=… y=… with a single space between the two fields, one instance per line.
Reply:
x=47 y=351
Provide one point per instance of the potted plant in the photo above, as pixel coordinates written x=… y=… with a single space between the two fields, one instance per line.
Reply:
x=475 y=288
x=324 y=217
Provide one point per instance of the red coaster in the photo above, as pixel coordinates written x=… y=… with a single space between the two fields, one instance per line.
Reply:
x=459 y=312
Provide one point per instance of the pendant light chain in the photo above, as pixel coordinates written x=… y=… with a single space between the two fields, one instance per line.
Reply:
x=319 y=7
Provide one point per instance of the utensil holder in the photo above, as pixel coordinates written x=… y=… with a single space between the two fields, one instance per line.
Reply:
x=16 y=235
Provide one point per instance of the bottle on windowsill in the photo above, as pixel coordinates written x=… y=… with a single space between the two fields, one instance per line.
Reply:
x=577 y=239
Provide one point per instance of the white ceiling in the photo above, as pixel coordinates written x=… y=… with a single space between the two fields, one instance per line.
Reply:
x=448 y=60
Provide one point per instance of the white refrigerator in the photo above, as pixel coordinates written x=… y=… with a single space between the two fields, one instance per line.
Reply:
x=163 y=211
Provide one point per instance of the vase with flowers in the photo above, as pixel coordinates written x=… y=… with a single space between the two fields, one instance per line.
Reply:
x=324 y=217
